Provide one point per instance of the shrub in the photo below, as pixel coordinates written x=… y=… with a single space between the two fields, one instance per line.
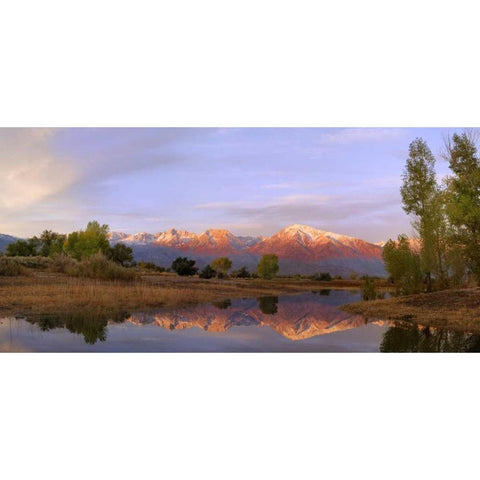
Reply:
x=62 y=263
x=99 y=267
x=150 y=266
x=121 y=254
x=207 y=272
x=184 y=266
x=322 y=277
x=241 y=273
x=37 y=262
x=10 y=268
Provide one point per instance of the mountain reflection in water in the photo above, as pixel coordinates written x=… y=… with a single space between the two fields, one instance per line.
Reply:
x=309 y=322
x=295 y=317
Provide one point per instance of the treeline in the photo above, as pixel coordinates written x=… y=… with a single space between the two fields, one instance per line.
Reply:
x=79 y=245
x=445 y=217
x=84 y=253
x=267 y=268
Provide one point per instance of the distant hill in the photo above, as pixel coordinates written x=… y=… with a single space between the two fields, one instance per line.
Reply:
x=5 y=240
x=300 y=248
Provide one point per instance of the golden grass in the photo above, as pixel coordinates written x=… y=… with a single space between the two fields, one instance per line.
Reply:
x=447 y=309
x=54 y=293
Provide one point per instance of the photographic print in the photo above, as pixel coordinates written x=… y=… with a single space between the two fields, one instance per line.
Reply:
x=239 y=240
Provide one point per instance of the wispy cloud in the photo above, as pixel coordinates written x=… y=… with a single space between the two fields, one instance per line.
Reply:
x=354 y=135
x=29 y=172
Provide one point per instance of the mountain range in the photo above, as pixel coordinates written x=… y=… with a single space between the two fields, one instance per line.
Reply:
x=6 y=240
x=301 y=249
x=297 y=318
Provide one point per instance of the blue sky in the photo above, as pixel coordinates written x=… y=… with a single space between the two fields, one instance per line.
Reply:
x=250 y=181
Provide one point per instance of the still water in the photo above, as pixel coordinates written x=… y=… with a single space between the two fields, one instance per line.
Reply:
x=307 y=322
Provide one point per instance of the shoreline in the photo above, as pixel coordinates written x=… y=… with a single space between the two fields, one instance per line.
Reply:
x=457 y=309
x=55 y=294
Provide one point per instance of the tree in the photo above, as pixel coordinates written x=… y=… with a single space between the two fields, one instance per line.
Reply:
x=121 y=254
x=222 y=265
x=184 y=266
x=241 y=273
x=268 y=266
x=268 y=305
x=51 y=243
x=423 y=199
x=207 y=272
x=403 y=265
x=463 y=197
x=23 y=248
x=88 y=242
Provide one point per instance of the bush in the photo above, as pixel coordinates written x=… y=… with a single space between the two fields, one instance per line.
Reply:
x=40 y=263
x=150 y=266
x=99 y=267
x=184 y=266
x=62 y=263
x=322 y=277
x=207 y=272
x=241 y=273
x=10 y=268
x=369 y=290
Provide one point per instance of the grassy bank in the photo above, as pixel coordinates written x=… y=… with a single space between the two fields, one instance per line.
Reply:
x=56 y=293
x=448 y=309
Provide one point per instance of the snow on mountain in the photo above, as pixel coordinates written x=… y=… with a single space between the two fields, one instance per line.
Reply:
x=300 y=248
x=301 y=242
x=174 y=238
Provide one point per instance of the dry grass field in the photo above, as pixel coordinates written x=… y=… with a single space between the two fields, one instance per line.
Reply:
x=54 y=293
x=448 y=309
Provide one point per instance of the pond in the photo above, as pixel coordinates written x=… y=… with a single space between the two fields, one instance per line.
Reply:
x=306 y=322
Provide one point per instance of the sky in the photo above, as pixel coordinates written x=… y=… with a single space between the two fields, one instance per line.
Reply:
x=250 y=181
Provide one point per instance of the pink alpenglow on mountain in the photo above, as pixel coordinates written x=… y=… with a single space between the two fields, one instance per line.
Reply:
x=300 y=248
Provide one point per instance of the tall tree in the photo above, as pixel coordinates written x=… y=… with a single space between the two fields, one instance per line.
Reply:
x=88 y=242
x=423 y=199
x=222 y=265
x=268 y=266
x=463 y=196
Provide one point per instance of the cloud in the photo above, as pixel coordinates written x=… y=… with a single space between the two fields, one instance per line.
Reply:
x=355 y=135
x=29 y=172
x=329 y=212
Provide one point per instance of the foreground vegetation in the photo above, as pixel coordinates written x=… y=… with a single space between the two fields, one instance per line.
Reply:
x=452 y=310
x=55 y=293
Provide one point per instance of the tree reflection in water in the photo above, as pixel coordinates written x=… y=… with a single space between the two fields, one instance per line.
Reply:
x=413 y=338
x=268 y=305
x=92 y=326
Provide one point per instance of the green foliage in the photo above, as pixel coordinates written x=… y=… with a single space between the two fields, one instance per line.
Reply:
x=423 y=199
x=23 y=248
x=208 y=272
x=121 y=254
x=222 y=265
x=463 y=198
x=51 y=243
x=268 y=266
x=88 y=242
x=369 y=290
x=268 y=305
x=184 y=266
x=403 y=265
x=241 y=273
